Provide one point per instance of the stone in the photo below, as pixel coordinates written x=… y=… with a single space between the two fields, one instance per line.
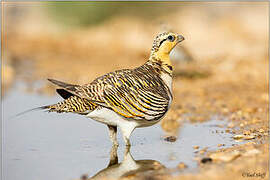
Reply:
x=225 y=156
x=182 y=165
x=206 y=160
x=170 y=138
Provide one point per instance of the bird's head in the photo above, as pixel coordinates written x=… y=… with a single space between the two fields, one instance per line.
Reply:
x=165 y=42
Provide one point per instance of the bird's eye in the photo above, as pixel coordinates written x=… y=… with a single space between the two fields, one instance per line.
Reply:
x=171 y=38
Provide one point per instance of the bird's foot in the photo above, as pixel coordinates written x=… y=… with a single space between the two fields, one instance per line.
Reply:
x=115 y=144
x=127 y=142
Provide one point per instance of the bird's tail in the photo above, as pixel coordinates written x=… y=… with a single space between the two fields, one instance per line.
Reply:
x=72 y=104
x=48 y=107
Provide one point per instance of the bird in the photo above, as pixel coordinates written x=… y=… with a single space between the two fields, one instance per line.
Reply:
x=127 y=98
x=128 y=167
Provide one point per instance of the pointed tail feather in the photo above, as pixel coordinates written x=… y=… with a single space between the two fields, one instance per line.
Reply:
x=67 y=86
x=31 y=110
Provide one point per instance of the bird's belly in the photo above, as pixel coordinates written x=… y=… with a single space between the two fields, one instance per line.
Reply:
x=105 y=116
x=109 y=117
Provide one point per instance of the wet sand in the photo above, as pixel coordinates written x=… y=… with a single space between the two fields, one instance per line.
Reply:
x=64 y=146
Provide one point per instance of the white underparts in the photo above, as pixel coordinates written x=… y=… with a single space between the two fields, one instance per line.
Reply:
x=109 y=117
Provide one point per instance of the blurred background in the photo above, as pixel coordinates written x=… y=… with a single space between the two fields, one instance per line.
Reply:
x=220 y=68
x=226 y=44
x=73 y=41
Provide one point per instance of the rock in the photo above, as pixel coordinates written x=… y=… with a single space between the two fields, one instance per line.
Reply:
x=246 y=132
x=225 y=157
x=249 y=137
x=84 y=177
x=196 y=147
x=181 y=165
x=239 y=136
x=202 y=151
x=170 y=138
x=206 y=160
x=219 y=145
x=157 y=165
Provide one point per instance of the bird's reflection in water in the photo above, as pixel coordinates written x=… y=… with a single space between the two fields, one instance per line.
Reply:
x=128 y=167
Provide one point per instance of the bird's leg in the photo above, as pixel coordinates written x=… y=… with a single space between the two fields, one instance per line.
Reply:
x=128 y=159
x=127 y=130
x=113 y=134
x=127 y=150
x=113 y=156
x=127 y=141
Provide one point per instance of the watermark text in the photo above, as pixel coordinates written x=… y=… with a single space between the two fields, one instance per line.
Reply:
x=253 y=174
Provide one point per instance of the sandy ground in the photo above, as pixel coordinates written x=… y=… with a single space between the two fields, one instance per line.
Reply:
x=228 y=74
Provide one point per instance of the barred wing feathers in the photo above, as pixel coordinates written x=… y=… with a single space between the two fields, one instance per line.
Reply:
x=137 y=94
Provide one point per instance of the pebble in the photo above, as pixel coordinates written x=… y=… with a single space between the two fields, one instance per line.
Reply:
x=84 y=177
x=182 y=165
x=246 y=132
x=206 y=160
x=170 y=138
x=239 y=136
x=202 y=151
x=249 y=137
x=157 y=165
x=196 y=147
x=225 y=157
x=219 y=145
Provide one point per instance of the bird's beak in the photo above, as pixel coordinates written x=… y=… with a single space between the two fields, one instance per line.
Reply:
x=180 y=38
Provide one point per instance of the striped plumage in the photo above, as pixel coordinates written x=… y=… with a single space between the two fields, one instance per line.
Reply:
x=73 y=104
x=138 y=94
x=126 y=98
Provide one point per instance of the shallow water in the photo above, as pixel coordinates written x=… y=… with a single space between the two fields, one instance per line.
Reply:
x=42 y=146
